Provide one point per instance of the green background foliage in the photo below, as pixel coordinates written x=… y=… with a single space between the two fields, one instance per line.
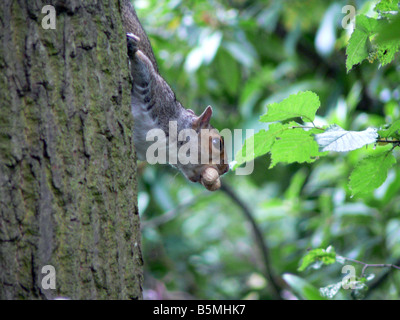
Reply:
x=240 y=56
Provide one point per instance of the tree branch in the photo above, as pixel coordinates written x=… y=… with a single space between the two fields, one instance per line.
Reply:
x=388 y=141
x=370 y=265
x=379 y=281
x=169 y=215
x=273 y=280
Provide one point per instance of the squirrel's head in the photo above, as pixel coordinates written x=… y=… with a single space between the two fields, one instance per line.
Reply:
x=212 y=157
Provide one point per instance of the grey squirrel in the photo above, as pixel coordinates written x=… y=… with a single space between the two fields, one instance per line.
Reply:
x=154 y=106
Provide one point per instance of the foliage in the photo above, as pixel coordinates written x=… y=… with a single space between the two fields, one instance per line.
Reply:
x=294 y=75
x=375 y=38
x=321 y=256
x=291 y=142
x=371 y=172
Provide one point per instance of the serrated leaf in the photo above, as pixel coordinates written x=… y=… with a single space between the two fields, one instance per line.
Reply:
x=259 y=144
x=391 y=132
x=384 y=33
x=366 y=24
x=294 y=145
x=386 y=52
x=387 y=5
x=386 y=42
x=253 y=147
x=337 y=139
x=301 y=287
x=327 y=256
x=357 y=49
x=301 y=105
x=371 y=172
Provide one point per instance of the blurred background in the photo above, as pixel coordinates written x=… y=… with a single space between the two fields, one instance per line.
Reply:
x=239 y=56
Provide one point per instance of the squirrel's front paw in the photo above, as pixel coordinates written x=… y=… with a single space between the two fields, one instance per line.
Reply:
x=132 y=44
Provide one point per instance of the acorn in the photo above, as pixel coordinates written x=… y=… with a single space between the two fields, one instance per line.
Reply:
x=210 y=179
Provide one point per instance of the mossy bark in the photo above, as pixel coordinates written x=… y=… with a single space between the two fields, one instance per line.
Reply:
x=67 y=164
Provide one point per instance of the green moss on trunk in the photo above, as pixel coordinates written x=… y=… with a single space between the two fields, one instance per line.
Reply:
x=67 y=167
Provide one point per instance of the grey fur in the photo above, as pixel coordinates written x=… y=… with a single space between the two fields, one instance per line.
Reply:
x=154 y=103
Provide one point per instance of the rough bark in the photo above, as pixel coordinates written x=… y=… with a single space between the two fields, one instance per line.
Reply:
x=67 y=163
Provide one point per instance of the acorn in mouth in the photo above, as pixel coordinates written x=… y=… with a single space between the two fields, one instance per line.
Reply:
x=210 y=179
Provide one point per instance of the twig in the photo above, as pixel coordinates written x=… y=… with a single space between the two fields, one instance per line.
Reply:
x=371 y=265
x=389 y=141
x=307 y=127
x=169 y=215
x=258 y=238
x=380 y=280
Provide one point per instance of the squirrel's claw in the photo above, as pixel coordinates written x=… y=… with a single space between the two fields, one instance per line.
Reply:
x=132 y=43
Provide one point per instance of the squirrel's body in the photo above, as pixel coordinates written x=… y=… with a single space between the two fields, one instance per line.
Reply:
x=154 y=104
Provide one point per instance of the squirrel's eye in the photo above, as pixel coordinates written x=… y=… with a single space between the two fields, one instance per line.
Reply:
x=217 y=143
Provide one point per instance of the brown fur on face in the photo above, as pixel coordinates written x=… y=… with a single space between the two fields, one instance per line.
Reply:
x=211 y=148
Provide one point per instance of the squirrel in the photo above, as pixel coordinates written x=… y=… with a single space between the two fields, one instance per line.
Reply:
x=154 y=106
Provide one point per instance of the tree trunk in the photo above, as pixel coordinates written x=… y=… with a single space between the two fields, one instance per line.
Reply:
x=67 y=164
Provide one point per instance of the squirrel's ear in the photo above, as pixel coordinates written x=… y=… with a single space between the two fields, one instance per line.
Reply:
x=203 y=120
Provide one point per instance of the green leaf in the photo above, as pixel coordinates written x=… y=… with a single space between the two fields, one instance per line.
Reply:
x=385 y=34
x=327 y=256
x=359 y=45
x=357 y=49
x=259 y=144
x=389 y=30
x=294 y=145
x=337 y=139
x=301 y=287
x=366 y=24
x=301 y=105
x=387 y=40
x=386 y=51
x=371 y=172
x=387 y=5
x=391 y=132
